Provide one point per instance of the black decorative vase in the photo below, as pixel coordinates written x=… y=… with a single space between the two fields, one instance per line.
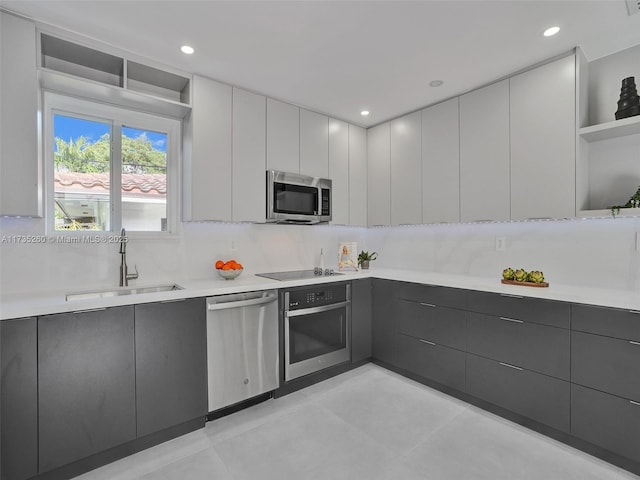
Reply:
x=629 y=103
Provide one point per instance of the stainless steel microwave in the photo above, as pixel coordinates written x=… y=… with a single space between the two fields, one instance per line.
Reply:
x=297 y=199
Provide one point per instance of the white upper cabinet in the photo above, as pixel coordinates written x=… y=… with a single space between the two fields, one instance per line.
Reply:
x=207 y=162
x=378 y=175
x=543 y=166
x=357 y=176
x=406 y=170
x=20 y=167
x=314 y=144
x=338 y=169
x=249 y=157
x=484 y=154
x=283 y=136
x=441 y=163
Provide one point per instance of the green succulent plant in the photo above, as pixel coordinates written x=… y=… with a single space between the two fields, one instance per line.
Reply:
x=536 y=276
x=521 y=275
x=508 y=274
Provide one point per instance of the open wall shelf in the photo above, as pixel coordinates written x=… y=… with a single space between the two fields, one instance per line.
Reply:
x=614 y=129
x=78 y=70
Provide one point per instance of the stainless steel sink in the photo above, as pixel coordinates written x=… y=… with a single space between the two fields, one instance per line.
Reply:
x=116 y=292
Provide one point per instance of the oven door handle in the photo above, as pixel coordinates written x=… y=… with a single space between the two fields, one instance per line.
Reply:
x=311 y=311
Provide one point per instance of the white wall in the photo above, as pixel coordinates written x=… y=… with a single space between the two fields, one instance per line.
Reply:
x=594 y=252
x=59 y=267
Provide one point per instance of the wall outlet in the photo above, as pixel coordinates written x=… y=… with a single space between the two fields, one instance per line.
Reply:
x=637 y=241
x=501 y=244
x=233 y=246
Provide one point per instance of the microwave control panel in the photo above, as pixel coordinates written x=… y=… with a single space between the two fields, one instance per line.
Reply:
x=326 y=202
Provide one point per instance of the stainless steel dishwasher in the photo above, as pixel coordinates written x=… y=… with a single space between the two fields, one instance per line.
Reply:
x=242 y=346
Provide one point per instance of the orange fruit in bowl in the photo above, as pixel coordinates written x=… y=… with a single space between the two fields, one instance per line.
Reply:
x=227 y=266
x=237 y=266
x=219 y=264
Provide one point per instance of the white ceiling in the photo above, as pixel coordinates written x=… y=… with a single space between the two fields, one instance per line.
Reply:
x=339 y=57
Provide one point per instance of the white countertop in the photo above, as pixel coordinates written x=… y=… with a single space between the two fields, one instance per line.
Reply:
x=33 y=304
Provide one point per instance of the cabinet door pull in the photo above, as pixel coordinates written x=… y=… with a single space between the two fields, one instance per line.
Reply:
x=427 y=305
x=634 y=343
x=428 y=342
x=510 y=366
x=637 y=312
x=507 y=319
x=634 y=403
x=174 y=300
x=511 y=296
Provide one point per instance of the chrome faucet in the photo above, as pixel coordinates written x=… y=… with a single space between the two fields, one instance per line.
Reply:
x=124 y=275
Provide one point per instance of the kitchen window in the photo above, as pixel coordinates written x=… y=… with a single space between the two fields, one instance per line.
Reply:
x=109 y=168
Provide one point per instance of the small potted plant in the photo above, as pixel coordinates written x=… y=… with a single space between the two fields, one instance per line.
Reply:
x=634 y=202
x=365 y=257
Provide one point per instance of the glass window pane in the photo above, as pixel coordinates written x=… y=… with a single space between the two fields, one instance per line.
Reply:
x=144 y=180
x=82 y=158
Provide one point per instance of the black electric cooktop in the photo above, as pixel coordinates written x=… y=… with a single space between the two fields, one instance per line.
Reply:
x=299 y=274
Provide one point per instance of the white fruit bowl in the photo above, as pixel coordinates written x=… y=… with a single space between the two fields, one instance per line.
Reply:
x=229 y=274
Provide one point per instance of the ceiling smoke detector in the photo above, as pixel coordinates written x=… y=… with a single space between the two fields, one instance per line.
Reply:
x=633 y=6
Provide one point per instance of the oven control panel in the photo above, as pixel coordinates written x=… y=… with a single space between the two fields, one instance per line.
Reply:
x=317 y=296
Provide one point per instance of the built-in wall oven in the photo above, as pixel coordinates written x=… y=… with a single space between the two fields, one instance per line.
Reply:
x=317 y=328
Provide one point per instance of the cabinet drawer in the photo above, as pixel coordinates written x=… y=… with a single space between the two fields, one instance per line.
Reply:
x=434 y=294
x=539 y=397
x=435 y=362
x=441 y=325
x=545 y=312
x=611 y=322
x=606 y=420
x=608 y=364
x=529 y=345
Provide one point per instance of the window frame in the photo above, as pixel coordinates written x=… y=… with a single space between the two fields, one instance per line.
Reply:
x=117 y=117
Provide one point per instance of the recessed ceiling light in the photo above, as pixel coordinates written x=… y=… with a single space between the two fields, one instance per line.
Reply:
x=364 y=113
x=435 y=83
x=187 y=49
x=549 y=32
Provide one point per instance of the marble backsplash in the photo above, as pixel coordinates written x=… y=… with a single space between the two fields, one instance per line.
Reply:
x=591 y=252
x=594 y=252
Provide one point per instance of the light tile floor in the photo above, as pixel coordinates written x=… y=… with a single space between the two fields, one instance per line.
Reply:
x=367 y=424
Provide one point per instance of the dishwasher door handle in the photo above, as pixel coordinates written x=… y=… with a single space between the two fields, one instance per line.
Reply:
x=242 y=303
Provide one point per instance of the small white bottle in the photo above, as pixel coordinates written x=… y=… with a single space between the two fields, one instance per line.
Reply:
x=321 y=264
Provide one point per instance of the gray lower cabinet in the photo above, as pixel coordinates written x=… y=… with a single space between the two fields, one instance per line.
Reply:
x=384 y=320
x=606 y=420
x=432 y=294
x=545 y=312
x=361 y=312
x=171 y=364
x=86 y=382
x=530 y=394
x=608 y=364
x=529 y=345
x=19 y=399
x=434 y=362
x=440 y=325
x=611 y=322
